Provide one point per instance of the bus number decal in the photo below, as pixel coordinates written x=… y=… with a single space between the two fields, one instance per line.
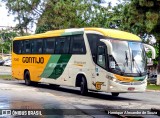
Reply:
x=16 y=59
x=38 y=60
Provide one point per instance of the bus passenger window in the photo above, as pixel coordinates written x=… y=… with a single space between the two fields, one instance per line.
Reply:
x=18 y=47
x=93 y=43
x=27 y=47
x=49 y=45
x=78 y=45
x=93 y=39
x=101 y=58
x=62 y=45
x=37 y=46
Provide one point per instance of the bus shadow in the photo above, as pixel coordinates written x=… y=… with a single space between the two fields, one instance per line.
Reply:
x=76 y=91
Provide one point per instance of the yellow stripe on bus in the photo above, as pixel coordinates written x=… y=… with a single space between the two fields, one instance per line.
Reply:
x=123 y=78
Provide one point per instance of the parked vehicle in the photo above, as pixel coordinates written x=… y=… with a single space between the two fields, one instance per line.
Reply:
x=1 y=62
x=8 y=62
x=152 y=79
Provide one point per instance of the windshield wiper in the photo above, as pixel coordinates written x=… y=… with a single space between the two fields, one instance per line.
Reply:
x=126 y=63
x=126 y=58
x=136 y=65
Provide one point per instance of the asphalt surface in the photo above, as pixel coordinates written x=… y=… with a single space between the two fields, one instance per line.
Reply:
x=43 y=96
x=16 y=95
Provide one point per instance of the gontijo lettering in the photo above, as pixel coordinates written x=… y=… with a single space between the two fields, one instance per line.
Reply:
x=38 y=60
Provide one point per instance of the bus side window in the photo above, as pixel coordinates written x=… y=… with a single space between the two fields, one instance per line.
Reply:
x=49 y=45
x=93 y=39
x=98 y=50
x=37 y=46
x=21 y=47
x=62 y=45
x=78 y=45
x=27 y=47
x=17 y=47
x=101 y=58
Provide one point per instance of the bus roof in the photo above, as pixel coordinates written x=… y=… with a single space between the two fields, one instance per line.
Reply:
x=112 y=33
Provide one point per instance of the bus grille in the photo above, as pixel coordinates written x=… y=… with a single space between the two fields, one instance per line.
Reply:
x=132 y=83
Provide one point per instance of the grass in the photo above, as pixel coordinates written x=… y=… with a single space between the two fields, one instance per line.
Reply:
x=6 y=77
x=153 y=87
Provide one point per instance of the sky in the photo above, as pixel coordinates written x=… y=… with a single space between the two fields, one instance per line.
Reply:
x=5 y=20
x=8 y=20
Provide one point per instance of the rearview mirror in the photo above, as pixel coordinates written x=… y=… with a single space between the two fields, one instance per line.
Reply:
x=149 y=61
x=109 y=46
x=152 y=49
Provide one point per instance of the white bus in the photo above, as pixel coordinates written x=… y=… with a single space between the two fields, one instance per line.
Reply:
x=95 y=59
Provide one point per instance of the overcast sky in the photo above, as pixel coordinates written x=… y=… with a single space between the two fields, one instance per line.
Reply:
x=4 y=19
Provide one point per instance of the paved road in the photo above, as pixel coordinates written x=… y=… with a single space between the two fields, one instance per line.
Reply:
x=45 y=96
x=148 y=99
x=16 y=95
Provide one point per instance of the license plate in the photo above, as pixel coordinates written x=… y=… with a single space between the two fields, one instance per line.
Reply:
x=131 y=88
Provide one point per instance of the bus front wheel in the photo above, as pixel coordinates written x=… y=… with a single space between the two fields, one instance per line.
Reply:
x=115 y=94
x=83 y=87
x=27 y=78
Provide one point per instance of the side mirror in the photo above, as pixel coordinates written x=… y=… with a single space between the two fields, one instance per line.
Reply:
x=109 y=46
x=149 y=61
x=152 y=49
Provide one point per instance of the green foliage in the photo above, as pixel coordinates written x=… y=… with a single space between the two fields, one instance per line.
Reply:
x=139 y=16
x=72 y=14
x=56 y=14
x=25 y=12
x=153 y=87
x=6 y=37
x=6 y=77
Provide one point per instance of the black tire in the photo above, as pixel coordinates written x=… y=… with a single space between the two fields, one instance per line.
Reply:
x=115 y=94
x=27 y=78
x=83 y=86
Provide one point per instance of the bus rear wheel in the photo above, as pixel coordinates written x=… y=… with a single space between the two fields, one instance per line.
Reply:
x=83 y=86
x=27 y=78
x=115 y=94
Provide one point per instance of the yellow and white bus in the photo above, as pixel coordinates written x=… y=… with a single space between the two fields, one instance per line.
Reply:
x=95 y=59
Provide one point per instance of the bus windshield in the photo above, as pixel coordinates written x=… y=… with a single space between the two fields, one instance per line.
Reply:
x=129 y=57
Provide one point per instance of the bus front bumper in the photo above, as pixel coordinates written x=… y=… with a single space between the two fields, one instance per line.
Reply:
x=127 y=86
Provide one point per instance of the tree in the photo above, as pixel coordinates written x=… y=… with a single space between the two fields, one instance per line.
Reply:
x=6 y=37
x=72 y=14
x=56 y=14
x=25 y=12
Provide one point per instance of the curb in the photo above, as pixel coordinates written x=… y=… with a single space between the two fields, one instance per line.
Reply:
x=152 y=90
